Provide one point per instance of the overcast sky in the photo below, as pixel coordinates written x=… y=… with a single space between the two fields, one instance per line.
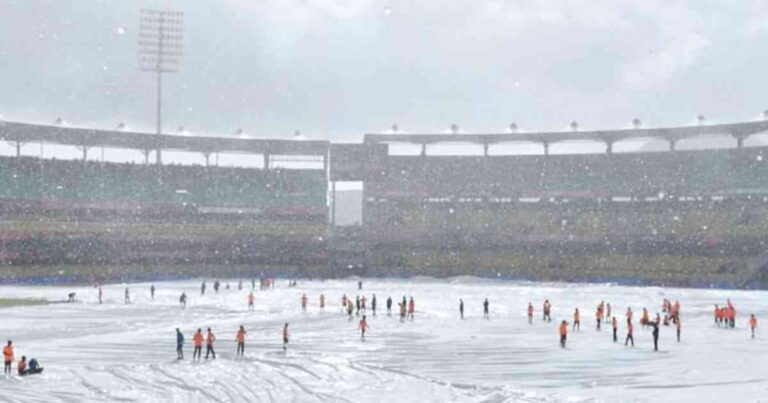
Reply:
x=338 y=69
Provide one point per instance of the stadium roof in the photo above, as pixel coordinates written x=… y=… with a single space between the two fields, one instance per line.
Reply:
x=737 y=130
x=28 y=133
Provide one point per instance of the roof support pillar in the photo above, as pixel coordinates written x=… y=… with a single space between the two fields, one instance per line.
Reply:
x=546 y=147
x=423 y=149
x=333 y=203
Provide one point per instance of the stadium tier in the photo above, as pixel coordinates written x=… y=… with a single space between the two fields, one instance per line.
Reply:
x=696 y=217
x=200 y=188
x=592 y=176
x=91 y=213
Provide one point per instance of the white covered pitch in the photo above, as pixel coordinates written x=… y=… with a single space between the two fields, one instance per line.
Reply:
x=118 y=352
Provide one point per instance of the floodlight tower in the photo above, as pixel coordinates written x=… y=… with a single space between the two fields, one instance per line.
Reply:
x=161 y=34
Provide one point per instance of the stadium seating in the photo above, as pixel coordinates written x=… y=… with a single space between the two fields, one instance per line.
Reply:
x=679 y=173
x=680 y=217
x=33 y=179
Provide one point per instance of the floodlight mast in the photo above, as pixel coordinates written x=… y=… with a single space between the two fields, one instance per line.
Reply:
x=161 y=34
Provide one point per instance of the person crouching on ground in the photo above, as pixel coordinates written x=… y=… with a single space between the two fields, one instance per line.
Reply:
x=22 y=366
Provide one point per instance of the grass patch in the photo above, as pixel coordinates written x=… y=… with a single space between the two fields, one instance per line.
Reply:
x=11 y=302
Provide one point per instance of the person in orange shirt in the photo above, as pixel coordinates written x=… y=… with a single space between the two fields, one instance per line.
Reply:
x=8 y=357
x=644 y=319
x=630 y=329
x=717 y=315
x=733 y=316
x=240 y=338
x=729 y=316
x=363 y=326
x=21 y=366
x=731 y=321
x=411 y=308
x=576 y=320
x=209 y=339
x=753 y=324
x=599 y=315
x=198 y=340
x=563 y=333
x=530 y=313
x=251 y=300
x=285 y=336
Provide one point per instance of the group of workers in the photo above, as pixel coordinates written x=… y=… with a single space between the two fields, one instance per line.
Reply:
x=209 y=339
x=407 y=307
x=265 y=283
x=22 y=367
x=602 y=314
x=198 y=340
x=724 y=316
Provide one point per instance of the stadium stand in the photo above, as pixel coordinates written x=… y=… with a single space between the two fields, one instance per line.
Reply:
x=678 y=217
x=682 y=217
